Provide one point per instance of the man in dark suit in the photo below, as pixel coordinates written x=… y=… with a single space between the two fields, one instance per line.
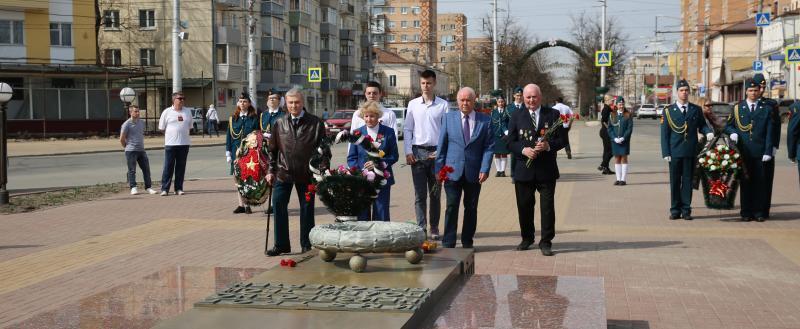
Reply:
x=536 y=167
x=679 y=127
x=752 y=128
x=295 y=138
x=466 y=143
x=793 y=135
x=774 y=114
x=605 y=115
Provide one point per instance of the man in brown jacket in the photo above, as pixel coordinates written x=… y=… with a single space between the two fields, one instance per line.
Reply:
x=295 y=138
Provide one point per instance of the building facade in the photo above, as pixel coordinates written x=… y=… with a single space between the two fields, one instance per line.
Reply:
x=400 y=78
x=406 y=27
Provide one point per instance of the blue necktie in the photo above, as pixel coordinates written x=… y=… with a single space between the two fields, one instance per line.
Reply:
x=466 y=129
x=295 y=121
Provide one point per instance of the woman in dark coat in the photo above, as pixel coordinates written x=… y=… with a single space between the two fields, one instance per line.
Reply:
x=243 y=121
x=500 y=117
x=620 y=129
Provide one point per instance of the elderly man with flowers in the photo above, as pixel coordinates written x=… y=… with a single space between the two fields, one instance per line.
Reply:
x=383 y=138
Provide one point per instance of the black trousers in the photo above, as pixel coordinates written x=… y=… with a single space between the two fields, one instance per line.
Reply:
x=526 y=200
x=769 y=176
x=753 y=196
x=566 y=141
x=681 y=171
x=606 y=147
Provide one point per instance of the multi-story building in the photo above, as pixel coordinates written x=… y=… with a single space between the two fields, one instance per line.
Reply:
x=702 y=18
x=639 y=77
x=400 y=77
x=452 y=37
x=48 y=55
x=406 y=27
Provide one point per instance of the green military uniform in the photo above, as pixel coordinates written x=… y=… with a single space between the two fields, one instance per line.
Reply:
x=679 y=128
x=238 y=129
x=753 y=124
x=268 y=119
x=769 y=167
x=793 y=135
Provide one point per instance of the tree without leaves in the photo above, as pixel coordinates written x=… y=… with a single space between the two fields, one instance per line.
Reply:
x=587 y=31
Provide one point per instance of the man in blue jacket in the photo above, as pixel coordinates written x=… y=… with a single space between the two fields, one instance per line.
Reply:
x=466 y=144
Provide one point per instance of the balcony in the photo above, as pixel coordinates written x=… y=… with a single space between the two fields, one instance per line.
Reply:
x=270 y=76
x=346 y=9
x=329 y=3
x=230 y=3
x=329 y=84
x=328 y=56
x=347 y=60
x=299 y=50
x=297 y=18
x=230 y=72
x=299 y=79
x=272 y=9
x=272 y=43
x=229 y=35
x=348 y=35
x=328 y=28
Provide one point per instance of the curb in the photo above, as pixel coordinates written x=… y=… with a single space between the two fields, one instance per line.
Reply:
x=102 y=151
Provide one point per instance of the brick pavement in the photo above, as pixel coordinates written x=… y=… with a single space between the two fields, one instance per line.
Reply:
x=710 y=273
x=18 y=148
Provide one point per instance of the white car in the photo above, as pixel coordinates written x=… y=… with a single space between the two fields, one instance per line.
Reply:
x=197 y=120
x=647 y=111
x=400 y=113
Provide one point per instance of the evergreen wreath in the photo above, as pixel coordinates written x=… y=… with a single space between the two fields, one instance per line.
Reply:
x=250 y=169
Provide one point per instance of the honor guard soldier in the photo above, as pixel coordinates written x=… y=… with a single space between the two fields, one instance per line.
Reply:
x=772 y=106
x=793 y=135
x=681 y=123
x=752 y=128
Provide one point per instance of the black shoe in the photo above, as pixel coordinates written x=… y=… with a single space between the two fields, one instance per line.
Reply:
x=466 y=245
x=607 y=171
x=239 y=210
x=760 y=219
x=269 y=210
x=569 y=156
x=600 y=168
x=674 y=217
x=247 y=210
x=524 y=245
x=502 y=174
x=622 y=183
x=688 y=217
x=275 y=251
x=448 y=246
x=305 y=250
x=747 y=219
x=497 y=174
x=616 y=183
x=546 y=250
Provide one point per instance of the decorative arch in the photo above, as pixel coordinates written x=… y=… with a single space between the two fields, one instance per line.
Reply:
x=553 y=43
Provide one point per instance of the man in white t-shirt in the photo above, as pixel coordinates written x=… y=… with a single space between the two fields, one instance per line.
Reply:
x=175 y=122
x=373 y=92
x=565 y=110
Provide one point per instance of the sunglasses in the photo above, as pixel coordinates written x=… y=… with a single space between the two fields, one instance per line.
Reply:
x=180 y=98
x=706 y=105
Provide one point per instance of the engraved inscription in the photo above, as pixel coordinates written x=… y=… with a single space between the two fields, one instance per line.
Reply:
x=318 y=297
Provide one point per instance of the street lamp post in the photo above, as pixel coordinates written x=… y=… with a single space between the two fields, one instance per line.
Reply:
x=5 y=95
x=127 y=95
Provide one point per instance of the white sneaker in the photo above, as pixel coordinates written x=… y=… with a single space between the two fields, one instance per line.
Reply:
x=134 y=191
x=179 y=192
x=151 y=191
x=164 y=193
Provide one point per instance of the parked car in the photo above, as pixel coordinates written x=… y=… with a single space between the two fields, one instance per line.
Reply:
x=400 y=113
x=647 y=111
x=660 y=110
x=338 y=121
x=197 y=120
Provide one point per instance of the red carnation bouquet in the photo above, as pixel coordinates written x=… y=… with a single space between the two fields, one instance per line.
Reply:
x=441 y=177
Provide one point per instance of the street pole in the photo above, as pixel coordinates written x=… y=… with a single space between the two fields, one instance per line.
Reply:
x=705 y=62
x=370 y=69
x=758 y=31
x=603 y=45
x=496 y=84
x=177 y=75
x=5 y=96
x=252 y=60
x=658 y=69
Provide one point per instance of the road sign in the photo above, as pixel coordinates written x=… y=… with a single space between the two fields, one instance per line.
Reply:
x=601 y=90
x=314 y=74
x=762 y=19
x=793 y=55
x=758 y=66
x=602 y=58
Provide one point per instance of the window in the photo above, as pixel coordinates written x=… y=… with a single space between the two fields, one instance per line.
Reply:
x=415 y=10
x=273 y=61
x=452 y=48
x=112 y=57
x=147 y=18
x=296 y=66
x=444 y=27
x=391 y=24
x=61 y=34
x=416 y=37
x=390 y=10
x=222 y=54
x=404 y=38
x=392 y=81
x=404 y=10
x=11 y=32
x=111 y=19
x=443 y=48
x=147 y=56
x=330 y=15
x=346 y=47
x=295 y=33
x=390 y=38
x=416 y=24
x=404 y=24
x=452 y=26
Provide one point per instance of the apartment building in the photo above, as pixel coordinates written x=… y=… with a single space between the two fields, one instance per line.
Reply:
x=452 y=33
x=407 y=28
x=48 y=55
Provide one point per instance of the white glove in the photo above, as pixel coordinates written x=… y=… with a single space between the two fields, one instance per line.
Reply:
x=506 y=132
x=267 y=135
x=710 y=136
x=566 y=124
x=621 y=139
x=766 y=158
x=735 y=137
x=668 y=158
x=616 y=140
x=228 y=159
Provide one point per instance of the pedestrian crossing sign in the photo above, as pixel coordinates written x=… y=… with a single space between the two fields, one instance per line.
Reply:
x=762 y=19
x=314 y=74
x=793 y=55
x=602 y=58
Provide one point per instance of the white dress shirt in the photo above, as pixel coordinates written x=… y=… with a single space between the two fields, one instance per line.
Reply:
x=681 y=106
x=423 y=122
x=538 y=116
x=471 y=122
x=373 y=131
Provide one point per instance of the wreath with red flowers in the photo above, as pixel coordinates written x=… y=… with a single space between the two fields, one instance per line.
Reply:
x=250 y=169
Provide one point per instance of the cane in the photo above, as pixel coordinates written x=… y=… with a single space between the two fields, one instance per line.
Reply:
x=269 y=215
